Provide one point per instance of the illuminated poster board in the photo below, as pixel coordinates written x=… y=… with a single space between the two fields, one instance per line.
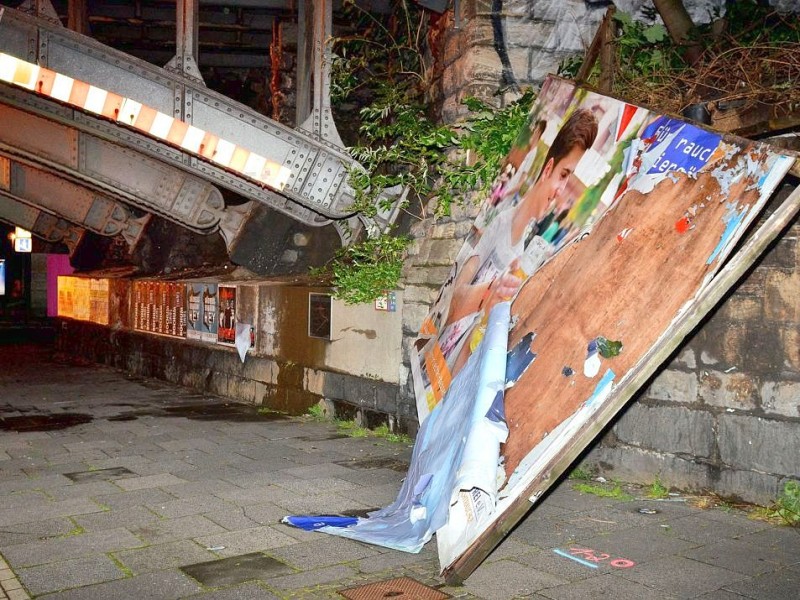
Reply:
x=2 y=277
x=173 y=298
x=57 y=264
x=160 y=307
x=83 y=299
x=226 y=315
x=98 y=301
x=201 y=313
x=136 y=305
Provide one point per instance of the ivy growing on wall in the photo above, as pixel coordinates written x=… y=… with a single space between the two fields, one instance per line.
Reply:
x=381 y=84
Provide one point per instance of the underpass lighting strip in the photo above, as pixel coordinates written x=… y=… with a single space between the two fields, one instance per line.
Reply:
x=146 y=119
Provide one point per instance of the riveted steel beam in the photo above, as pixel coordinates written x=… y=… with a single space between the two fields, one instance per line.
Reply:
x=315 y=168
x=40 y=223
x=78 y=204
x=315 y=17
x=168 y=155
x=144 y=182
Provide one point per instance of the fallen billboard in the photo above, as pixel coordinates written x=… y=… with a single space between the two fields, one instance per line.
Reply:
x=605 y=225
x=600 y=245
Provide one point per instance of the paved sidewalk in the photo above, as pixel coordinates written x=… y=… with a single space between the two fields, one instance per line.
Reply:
x=113 y=487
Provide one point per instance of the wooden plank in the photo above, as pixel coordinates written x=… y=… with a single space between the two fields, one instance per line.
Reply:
x=608 y=53
x=605 y=32
x=704 y=302
x=753 y=121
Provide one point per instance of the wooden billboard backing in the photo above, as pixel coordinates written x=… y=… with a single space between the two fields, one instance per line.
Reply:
x=707 y=298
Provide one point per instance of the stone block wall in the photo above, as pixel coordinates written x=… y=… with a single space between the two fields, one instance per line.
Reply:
x=430 y=259
x=492 y=53
x=724 y=414
x=272 y=382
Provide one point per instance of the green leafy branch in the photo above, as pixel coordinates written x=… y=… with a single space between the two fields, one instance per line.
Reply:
x=365 y=270
x=787 y=507
x=489 y=133
x=379 y=73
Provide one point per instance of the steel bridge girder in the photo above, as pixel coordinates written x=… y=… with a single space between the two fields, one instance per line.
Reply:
x=80 y=205
x=144 y=182
x=42 y=224
x=318 y=179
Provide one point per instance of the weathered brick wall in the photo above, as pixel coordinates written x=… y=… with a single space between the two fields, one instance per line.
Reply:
x=721 y=416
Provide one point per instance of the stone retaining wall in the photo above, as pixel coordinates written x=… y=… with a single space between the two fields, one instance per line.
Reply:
x=273 y=383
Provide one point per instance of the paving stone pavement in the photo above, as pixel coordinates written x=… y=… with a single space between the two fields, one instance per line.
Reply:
x=119 y=487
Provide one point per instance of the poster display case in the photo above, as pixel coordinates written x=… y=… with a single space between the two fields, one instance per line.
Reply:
x=159 y=307
x=84 y=299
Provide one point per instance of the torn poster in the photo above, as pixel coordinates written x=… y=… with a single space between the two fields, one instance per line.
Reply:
x=587 y=173
x=244 y=337
x=458 y=447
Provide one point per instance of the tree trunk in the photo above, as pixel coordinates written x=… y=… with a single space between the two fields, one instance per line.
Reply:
x=680 y=26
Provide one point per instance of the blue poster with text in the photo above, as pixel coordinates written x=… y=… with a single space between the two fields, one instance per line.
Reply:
x=682 y=147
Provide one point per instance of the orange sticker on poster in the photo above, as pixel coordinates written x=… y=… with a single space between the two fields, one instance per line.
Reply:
x=436 y=366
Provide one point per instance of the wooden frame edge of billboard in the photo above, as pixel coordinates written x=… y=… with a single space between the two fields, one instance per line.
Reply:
x=705 y=300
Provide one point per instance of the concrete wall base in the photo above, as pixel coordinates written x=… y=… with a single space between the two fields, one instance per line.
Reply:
x=279 y=385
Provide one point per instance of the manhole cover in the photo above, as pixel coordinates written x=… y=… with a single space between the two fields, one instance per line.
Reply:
x=402 y=588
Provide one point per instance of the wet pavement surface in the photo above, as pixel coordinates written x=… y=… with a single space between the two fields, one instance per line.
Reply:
x=120 y=487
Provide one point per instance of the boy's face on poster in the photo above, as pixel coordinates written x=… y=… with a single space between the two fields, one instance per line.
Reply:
x=555 y=176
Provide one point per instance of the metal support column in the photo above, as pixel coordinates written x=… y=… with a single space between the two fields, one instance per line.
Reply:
x=320 y=124
x=78 y=16
x=305 y=60
x=187 y=40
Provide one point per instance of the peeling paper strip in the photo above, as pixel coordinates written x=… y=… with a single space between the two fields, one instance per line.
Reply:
x=603 y=389
x=243 y=339
x=733 y=219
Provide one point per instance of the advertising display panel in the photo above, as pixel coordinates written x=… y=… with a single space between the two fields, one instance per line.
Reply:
x=603 y=239
x=159 y=307
x=201 y=313
x=83 y=299
x=226 y=313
